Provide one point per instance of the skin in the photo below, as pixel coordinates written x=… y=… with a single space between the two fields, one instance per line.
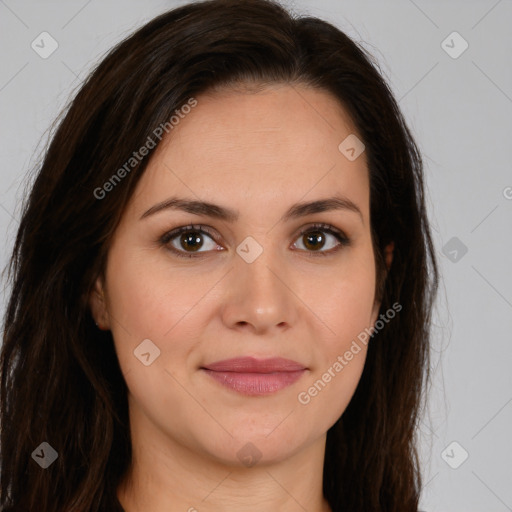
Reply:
x=257 y=153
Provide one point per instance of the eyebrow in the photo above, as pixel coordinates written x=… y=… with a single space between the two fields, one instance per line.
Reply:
x=226 y=214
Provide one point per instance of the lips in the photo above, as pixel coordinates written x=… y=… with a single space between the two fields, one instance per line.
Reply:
x=253 y=377
x=252 y=365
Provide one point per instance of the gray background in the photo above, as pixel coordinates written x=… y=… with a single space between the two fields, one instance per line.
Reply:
x=460 y=110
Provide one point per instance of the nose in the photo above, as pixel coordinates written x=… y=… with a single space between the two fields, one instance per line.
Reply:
x=259 y=296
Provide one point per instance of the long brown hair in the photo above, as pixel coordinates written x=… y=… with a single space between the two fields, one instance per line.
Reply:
x=60 y=379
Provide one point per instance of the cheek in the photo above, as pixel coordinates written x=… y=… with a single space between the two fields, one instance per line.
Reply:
x=344 y=301
x=345 y=307
x=341 y=351
x=324 y=398
x=148 y=297
x=146 y=302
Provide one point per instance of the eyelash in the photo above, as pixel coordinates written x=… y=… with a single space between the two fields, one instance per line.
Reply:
x=327 y=228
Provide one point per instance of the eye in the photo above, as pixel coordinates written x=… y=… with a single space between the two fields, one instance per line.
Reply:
x=313 y=239
x=187 y=240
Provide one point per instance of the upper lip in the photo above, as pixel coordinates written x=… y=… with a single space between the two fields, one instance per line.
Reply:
x=253 y=365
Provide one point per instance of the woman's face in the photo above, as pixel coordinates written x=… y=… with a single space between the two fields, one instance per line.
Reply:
x=255 y=287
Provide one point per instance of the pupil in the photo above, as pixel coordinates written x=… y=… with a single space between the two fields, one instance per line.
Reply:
x=310 y=240
x=190 y=239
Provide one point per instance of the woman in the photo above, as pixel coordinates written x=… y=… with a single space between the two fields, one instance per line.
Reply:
x=222 y=280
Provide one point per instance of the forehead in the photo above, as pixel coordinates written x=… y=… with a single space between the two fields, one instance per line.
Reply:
x=245 y=149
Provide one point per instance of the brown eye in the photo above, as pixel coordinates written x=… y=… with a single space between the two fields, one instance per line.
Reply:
x=315 y=238
x=187 y=240
x=191 y=241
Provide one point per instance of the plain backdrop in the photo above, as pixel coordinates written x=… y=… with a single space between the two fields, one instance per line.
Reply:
x=449 y=65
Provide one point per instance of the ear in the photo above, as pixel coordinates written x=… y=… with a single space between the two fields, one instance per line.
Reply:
x=98 y=305
x=388 y=254
x=375 y=313
x=388 y=258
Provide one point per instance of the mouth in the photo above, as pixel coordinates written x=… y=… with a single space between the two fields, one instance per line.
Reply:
x=255 y=377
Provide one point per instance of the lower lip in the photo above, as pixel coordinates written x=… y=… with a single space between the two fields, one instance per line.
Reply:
x=255 y=384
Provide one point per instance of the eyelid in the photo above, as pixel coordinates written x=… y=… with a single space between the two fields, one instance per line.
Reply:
x=342 y=238
x=190 y=227
x=329 y=228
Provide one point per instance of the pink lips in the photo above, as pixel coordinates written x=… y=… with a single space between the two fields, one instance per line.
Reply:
x=251 y=376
